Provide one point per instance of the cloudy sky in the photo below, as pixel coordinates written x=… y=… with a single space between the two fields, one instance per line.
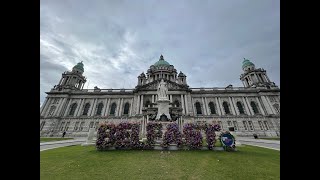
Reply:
x=119 y=39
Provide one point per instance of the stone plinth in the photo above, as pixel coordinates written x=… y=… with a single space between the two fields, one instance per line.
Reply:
x=163 y=108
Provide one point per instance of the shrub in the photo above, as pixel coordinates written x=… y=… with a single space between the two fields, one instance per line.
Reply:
x=172 y=135
x=154 y=130
x=192 y=133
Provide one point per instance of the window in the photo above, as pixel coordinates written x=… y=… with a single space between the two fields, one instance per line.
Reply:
x=76 y=126
x=266 y=125
x=99 y=110
x=61 y=126
x=212 y=108
x=113 y=109
x=250 y=125
x=72 y=109
x=96 y=125
x=277 y=108
x=198 y=108
x=67 y=126
x=261 y=125
x=81 y=126
x=41 y=125
x=86 y=109
x=226 y=107
x=52 y=109
x=240 y=107
x=235 y=125
x=126 y=109
x=245 y=125
x=254 y=107
x=229 y=123
x=91 y=125
x=261 y=78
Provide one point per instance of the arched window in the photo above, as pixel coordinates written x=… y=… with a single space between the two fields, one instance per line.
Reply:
x=176 y=103
x=126 y=108
x=226 y=107
x=254 y=107
x=277 y=108
x=52 y=109
x=86 y=109
x=113 y=108
x=212 y=108
x=198 y=108
x=99 y=110
x=240 y=108
x=72 y=109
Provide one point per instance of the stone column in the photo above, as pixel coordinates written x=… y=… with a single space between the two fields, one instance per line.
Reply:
x=171 y=98
x=235 y=106
x=185 y=102
x=80 y=107
x=218 y=106
x=58 y=113
x=44 y=106
x=260 y=106
x=182 y=104
x=118 y=107
x=246 y=106
x=266 y=105
x=207 y=108
x=104 y=107
x=231 y=106
x=152 y=99
x=141 y=105
x=138 y=104
x=67 y=108
x=92 y=107
x=204 y=107
x=107 y=107
x=273 y=110
x=249 y=106
x=221 y=108
x=131 y=106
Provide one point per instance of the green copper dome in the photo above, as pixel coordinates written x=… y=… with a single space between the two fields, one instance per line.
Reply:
x=246 y=62
x=79 y=66
x=161 y=62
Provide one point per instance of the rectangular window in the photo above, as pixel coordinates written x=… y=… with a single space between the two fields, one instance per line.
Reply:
x=67 y=126
x=245 y=125
x=250 y=125
x=266 y=125
x=235 y=125
x=76 y=126
x=61 y=126
x=81 y=126
x=261 y=125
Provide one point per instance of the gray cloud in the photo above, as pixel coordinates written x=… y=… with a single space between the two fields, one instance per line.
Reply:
x=117 y=40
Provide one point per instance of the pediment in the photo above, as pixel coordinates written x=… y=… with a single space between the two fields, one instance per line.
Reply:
x=154 y=85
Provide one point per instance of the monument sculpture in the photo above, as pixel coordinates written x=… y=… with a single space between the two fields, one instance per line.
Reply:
x=163 y=102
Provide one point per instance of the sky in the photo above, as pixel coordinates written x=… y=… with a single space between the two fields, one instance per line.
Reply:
x=117 y=40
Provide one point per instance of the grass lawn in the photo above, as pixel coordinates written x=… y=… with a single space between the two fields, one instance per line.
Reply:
x=278 y=139
x=53 y=139
x=85 y=162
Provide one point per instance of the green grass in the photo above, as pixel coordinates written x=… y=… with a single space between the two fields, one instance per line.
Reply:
x=278 y=139
x=85 y=162
x=53 y=139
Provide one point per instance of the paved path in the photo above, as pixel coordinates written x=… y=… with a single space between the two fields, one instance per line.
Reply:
x=56 y=144
x=270 y=144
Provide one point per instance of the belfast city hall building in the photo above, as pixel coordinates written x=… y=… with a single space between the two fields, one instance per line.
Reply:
x=162 y=94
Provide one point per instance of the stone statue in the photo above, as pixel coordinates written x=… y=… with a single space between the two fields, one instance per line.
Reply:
x=162 y=90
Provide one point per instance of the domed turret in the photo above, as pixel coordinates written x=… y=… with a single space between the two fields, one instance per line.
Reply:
x=161 y=62
x=247 y=65
x=78 y=67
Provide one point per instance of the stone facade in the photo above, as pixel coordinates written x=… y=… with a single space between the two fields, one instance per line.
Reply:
x=252 y=109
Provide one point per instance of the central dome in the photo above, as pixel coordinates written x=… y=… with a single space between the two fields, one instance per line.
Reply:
x=161 y=62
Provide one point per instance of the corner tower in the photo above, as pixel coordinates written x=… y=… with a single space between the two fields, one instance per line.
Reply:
x=253 y=77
